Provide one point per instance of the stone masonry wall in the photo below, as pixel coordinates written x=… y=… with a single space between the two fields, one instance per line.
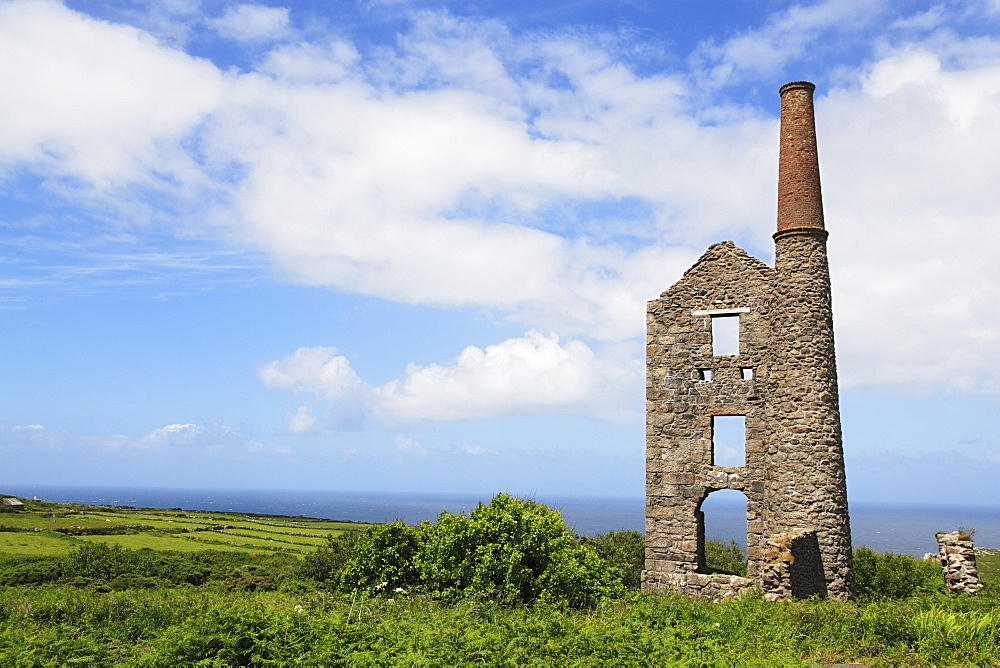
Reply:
x=783 y=381
x=793 y=566
x=680 y=404
x=793 y=475
x=958 y=562
x=807 y=485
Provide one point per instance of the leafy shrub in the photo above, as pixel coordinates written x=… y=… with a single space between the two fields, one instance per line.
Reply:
x=326 y=563
x=510 y=550
x=888 y=575
x=384 y=557
x=118 y=567
x=31 y=570
x=103 y=562
x=726 y=558
x=625 y=550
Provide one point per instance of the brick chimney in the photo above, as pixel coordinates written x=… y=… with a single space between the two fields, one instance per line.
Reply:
x=800 y=201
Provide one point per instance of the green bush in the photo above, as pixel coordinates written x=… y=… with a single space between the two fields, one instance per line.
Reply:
x=384 y=558
x=116 y=567
x=510 y=550
x=726 y=558
x=326 y=563
x=30 y=570
x=103 y=562
x=625 y=550
x=888 y=575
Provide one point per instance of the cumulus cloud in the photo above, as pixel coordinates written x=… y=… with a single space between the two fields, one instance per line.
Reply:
x=321 y=372
x=910 y=278
x=787 y=35
x=213 y=438
x=407 y=446
x=29 y=436
x=90 y=101
x=520 y=376
x=253 y=23
x=486 y=179
x=474 y=450
x=174 y=433
x=530 y=374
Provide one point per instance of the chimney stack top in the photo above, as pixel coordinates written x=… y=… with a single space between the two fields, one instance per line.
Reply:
x=791 y=85
x=800 y=199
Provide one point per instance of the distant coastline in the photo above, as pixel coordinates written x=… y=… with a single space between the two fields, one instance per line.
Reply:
x=885 y=527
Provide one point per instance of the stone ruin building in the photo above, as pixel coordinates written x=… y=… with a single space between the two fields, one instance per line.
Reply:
x=781 y=384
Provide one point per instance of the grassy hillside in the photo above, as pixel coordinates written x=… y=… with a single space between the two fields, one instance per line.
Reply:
x=47 y=529
x=76 y=586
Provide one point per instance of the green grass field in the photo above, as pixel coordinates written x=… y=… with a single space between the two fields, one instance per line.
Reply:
x=988 y=564
x=35 y=543
x=143 y=586
x=51 y=529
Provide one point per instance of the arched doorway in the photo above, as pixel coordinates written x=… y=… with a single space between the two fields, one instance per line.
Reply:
x=722 y=532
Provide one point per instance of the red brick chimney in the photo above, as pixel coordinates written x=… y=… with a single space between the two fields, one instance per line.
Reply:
x=800 y=201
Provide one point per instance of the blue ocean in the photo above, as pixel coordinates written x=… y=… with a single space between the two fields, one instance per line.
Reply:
x=904 y=529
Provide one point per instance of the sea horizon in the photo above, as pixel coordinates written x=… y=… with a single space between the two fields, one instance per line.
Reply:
x=883 y=526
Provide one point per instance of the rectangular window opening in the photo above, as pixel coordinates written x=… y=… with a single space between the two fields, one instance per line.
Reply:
x=729 y=440
x=725 y=334
x=746 y=373
x=704 y=374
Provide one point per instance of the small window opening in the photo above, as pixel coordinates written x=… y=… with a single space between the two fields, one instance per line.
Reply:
x=726 y=335
x=746 y=373
x=729 y=440
x=704 y=374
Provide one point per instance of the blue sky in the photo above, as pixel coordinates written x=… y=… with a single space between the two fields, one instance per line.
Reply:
x=391 y=245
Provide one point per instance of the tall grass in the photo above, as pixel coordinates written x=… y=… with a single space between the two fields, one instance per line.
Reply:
x=60 y=624
x=106 y=605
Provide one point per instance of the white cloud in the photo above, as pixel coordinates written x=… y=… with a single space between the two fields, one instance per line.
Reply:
x=321 y=372
x=408 y=446
x=474 y=450
x=530 y=374
x=253 y=23
x=30 y=436
x=174 y=433
x=787 y=35
x=305 y=63
x=303 y=421
x=87 y=100
x=418 y=176
x=28 y=427
x=520 y=376
x=909 y=163
x=213 y=438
